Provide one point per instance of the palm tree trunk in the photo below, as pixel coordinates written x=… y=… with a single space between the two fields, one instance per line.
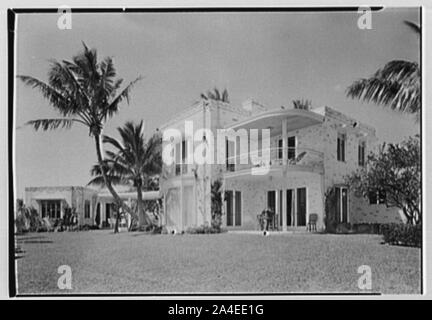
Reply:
x=108 y=184
x=116 y=227
x=143 y=219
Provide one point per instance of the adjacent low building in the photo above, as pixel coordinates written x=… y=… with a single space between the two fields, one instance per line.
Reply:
x=93 y=207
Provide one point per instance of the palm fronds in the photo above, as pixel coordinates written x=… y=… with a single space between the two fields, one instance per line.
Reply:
x=135 y=160
x=302 y=104
x=396 y=85
x=82 y=89
x=52 y=124
x=216 y=95
x=414 y=26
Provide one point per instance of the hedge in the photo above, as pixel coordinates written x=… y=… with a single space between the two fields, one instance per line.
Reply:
x=402 y=234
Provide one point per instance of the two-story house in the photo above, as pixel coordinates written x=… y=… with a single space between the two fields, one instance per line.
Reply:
x=309 y=153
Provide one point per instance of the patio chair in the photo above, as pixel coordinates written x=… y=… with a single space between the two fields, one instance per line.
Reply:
x=311 y=226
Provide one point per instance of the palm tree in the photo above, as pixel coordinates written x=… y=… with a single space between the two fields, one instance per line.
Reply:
x=396 y=85
x=216 y=95
x=302 y=104
x=135 y=161
x=83 y=91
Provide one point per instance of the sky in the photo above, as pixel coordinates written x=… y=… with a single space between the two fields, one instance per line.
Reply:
x=273 y=58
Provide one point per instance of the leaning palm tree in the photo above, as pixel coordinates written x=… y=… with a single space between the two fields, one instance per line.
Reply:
x=135 y=161
x=396 y=85
x=216 y=95
x=83 y=91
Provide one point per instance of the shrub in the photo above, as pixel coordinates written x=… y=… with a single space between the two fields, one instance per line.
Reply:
x=368 y=228
x=402 y=234
x=330 y=220
x=87 y=227
x=344 y=228
x=159 y=230
x=204 y=229
x=21 y=224
x=216 y=204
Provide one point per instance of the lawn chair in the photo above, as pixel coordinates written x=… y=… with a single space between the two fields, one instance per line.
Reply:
x=311 y=226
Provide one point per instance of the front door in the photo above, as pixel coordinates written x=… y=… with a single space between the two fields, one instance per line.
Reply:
x=301 y=207
x=342 y=204
x=107 y=212
x=289 y=208
x=271 y=200
x=229 y=208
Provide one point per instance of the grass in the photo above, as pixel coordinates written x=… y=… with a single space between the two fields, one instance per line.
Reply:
x=103 y=262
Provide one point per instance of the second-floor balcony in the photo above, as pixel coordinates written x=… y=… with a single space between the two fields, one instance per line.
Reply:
x=275 y=159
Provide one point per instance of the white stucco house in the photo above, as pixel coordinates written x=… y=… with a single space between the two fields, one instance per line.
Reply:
x=310 y=152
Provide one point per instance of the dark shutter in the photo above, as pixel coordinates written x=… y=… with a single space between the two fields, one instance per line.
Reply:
x=238 y=208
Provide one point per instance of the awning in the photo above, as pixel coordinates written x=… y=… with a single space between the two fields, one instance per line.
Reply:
x=49 y=196
x=146 y=195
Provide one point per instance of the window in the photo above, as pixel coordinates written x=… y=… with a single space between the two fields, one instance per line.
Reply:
x=87 y=209
x=291 y=148
x=237 y=201
x=229 y=154
x=341 y=147
x=280 y=149
x=229 y=208
x=184 y=155
x=361 y=153
x=177 y=158
x=233 y=208
x=51 y=209
x=342 y=204
x=377 y=197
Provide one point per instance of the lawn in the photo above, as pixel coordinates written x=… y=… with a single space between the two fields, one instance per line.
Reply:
x=235 y=263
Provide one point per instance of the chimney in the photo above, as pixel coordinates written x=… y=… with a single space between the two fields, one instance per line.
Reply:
x=253 y=107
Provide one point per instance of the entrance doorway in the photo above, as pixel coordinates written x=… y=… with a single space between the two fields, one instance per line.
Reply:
x=342 y=204
x=301 y=207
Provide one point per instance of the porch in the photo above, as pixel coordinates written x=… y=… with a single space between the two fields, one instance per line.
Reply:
x=105 y=214
x=292 y=197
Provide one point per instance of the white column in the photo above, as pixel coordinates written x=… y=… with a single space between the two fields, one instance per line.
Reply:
x=284 y=210
x=102 y=212
x=234 y=207
x=181 y=205
x=127 y=215
x=284 y=141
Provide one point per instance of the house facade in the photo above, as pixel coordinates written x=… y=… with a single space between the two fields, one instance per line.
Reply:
x=309 y=154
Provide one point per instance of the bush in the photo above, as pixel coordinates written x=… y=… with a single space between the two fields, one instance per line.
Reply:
x=368 y=228
x=204 y=229
x=21 y=224
x=159 y=230
x=87 y=227
x=344 y=228
x=402 y=234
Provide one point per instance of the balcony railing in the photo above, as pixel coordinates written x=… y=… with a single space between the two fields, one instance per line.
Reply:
x=305 y=157
x=275 y=158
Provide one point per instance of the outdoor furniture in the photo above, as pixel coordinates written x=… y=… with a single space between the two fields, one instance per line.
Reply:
x=311 y=226
x=267 y=220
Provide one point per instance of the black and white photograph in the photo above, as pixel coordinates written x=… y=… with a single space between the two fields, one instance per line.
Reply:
x=216 y=150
